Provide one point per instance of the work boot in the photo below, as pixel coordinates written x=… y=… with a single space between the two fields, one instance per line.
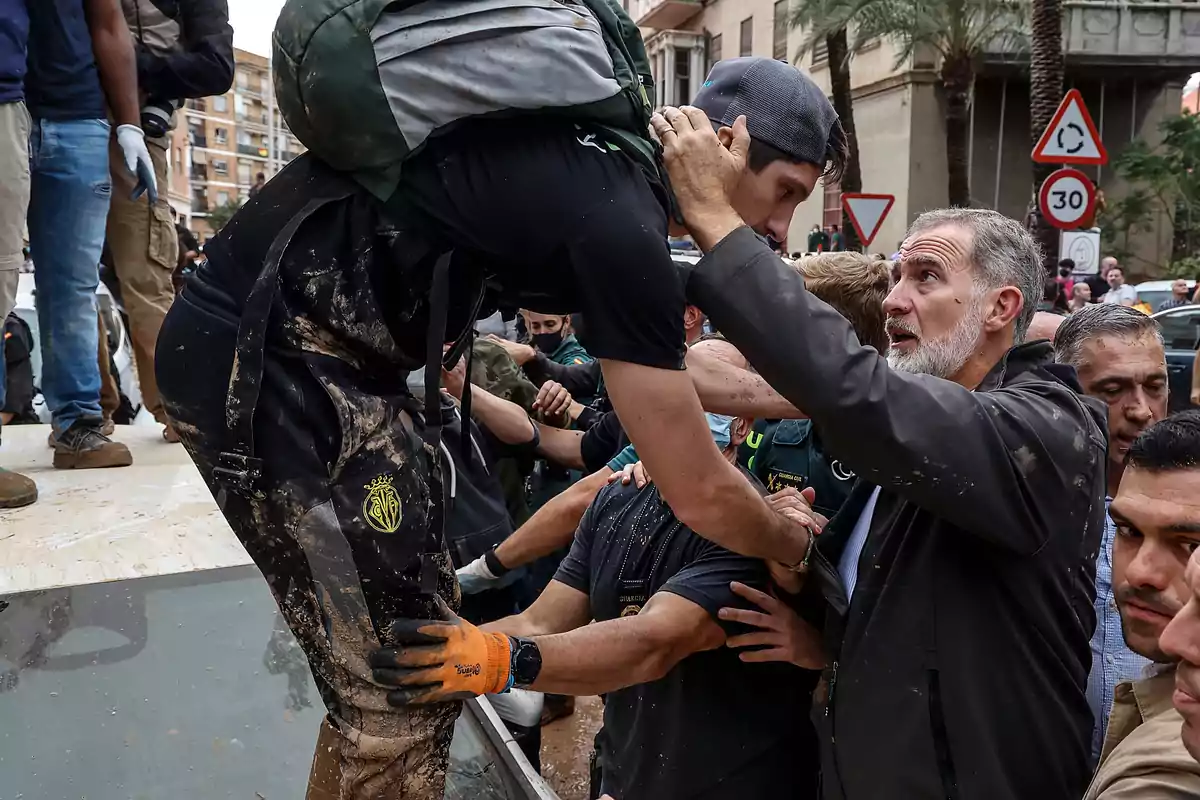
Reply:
x=16 y=490
x=84 y=446
x=108 y=427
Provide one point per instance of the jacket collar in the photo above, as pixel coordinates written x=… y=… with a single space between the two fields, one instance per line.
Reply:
x=1022 y=358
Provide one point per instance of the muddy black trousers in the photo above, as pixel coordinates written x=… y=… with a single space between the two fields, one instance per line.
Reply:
x=339 y=524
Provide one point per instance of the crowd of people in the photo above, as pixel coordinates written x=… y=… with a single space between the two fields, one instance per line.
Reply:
x=834 y=526
x=88 y=94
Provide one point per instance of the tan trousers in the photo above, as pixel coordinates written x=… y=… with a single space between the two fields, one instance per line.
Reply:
x=110 y=397
x=144 y=250
x=14 y=199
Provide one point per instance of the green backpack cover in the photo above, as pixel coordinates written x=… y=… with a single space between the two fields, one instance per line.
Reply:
x=364 y=83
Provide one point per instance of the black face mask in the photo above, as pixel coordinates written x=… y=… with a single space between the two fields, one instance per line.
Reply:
x=547 y=342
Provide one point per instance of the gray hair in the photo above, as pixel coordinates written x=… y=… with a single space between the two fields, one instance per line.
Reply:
x=1003 y=253
x=1105 y=319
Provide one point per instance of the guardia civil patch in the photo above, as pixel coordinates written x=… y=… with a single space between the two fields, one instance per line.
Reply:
x=381 y=508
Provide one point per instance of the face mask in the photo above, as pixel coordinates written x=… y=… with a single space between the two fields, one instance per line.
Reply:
x=547 y=342
x=719 y=426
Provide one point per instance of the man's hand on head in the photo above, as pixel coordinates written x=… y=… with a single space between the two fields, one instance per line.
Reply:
x=703 y=172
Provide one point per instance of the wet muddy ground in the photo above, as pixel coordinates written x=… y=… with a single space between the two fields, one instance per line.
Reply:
x=567 y=748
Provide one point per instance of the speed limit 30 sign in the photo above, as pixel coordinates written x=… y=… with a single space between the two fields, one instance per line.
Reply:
x=1067 y=197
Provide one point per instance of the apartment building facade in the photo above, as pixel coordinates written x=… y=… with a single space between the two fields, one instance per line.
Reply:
x=222 y=143
x=1130 y=60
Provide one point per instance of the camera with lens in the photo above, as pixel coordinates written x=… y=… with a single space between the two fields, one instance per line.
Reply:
x=156 y=117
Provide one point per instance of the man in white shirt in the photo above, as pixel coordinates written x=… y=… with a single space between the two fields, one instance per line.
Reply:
x=1119 y=291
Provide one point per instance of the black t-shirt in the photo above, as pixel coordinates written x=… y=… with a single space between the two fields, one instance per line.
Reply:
x=714 y=727
x=546 y=220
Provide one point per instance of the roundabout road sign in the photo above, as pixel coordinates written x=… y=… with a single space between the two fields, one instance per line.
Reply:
x=1067 y=197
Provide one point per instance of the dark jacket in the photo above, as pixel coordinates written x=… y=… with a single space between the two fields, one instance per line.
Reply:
x=184 y=47
x=959 y=670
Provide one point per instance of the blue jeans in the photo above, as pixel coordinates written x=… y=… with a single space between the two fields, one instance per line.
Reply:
x=68 y=206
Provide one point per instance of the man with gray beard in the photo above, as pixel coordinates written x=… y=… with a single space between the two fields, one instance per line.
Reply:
x=959 y=574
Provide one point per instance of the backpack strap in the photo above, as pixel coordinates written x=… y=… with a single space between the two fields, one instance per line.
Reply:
x=237 y=468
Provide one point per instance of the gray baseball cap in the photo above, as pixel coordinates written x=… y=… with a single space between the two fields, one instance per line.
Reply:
x=783 y=107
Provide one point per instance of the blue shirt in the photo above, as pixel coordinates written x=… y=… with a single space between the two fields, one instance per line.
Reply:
x=848 y=563
x=1112 y=661
x=14 y=35
x=63 y=82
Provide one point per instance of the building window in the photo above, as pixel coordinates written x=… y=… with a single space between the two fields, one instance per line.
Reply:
x=832 y=214
x=243 y=172
x=820 y=52
x=220 y=135
x=746 y=45
x=222 y=198
x=244 y=137
x=779 y=46
x=220 y=167
x=243 y=80
x=220 y=103
x=714 y=50
x=683 y=75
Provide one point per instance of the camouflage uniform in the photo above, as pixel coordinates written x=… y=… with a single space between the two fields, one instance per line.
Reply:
x=333 y=486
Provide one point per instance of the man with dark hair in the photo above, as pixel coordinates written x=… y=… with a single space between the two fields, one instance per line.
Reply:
x=335 y=487
x=960 y=605
x=1118 y=355
x=836 y=244
x=1157 y=517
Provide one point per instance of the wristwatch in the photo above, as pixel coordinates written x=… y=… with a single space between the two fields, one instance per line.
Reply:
x=526 y=662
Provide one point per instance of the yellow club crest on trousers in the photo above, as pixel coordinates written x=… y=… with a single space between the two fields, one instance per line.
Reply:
x=381 y=508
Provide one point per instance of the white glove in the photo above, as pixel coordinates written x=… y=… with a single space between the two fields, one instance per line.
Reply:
x=132 y=142
x=476 y=577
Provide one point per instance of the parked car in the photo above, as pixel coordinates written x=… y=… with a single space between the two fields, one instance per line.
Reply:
x=1154 y=292
x=1181 y=334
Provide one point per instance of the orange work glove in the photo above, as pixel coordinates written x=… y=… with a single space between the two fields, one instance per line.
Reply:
x=436 y=661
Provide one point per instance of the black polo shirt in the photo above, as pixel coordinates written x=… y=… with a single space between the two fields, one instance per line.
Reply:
x=714 y=727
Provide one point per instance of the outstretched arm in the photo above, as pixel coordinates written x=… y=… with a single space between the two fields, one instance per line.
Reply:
x=606 y=656
x=725 y=388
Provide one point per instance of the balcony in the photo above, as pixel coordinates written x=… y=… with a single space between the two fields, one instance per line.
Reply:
x=1163 y=35
x=198 y=105
x=198 y=140
x=252 y=150
x=664 y=14
x=253 y=121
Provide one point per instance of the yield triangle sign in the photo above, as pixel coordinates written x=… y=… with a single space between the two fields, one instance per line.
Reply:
x=867 y=212
x=1071 y=136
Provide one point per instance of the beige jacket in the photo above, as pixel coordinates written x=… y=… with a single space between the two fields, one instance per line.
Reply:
x=1143 y=757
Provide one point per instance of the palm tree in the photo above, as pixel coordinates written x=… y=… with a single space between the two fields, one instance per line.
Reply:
x=837 y=46
x=804 y=15
x=958 y=31
x=1045 y=93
